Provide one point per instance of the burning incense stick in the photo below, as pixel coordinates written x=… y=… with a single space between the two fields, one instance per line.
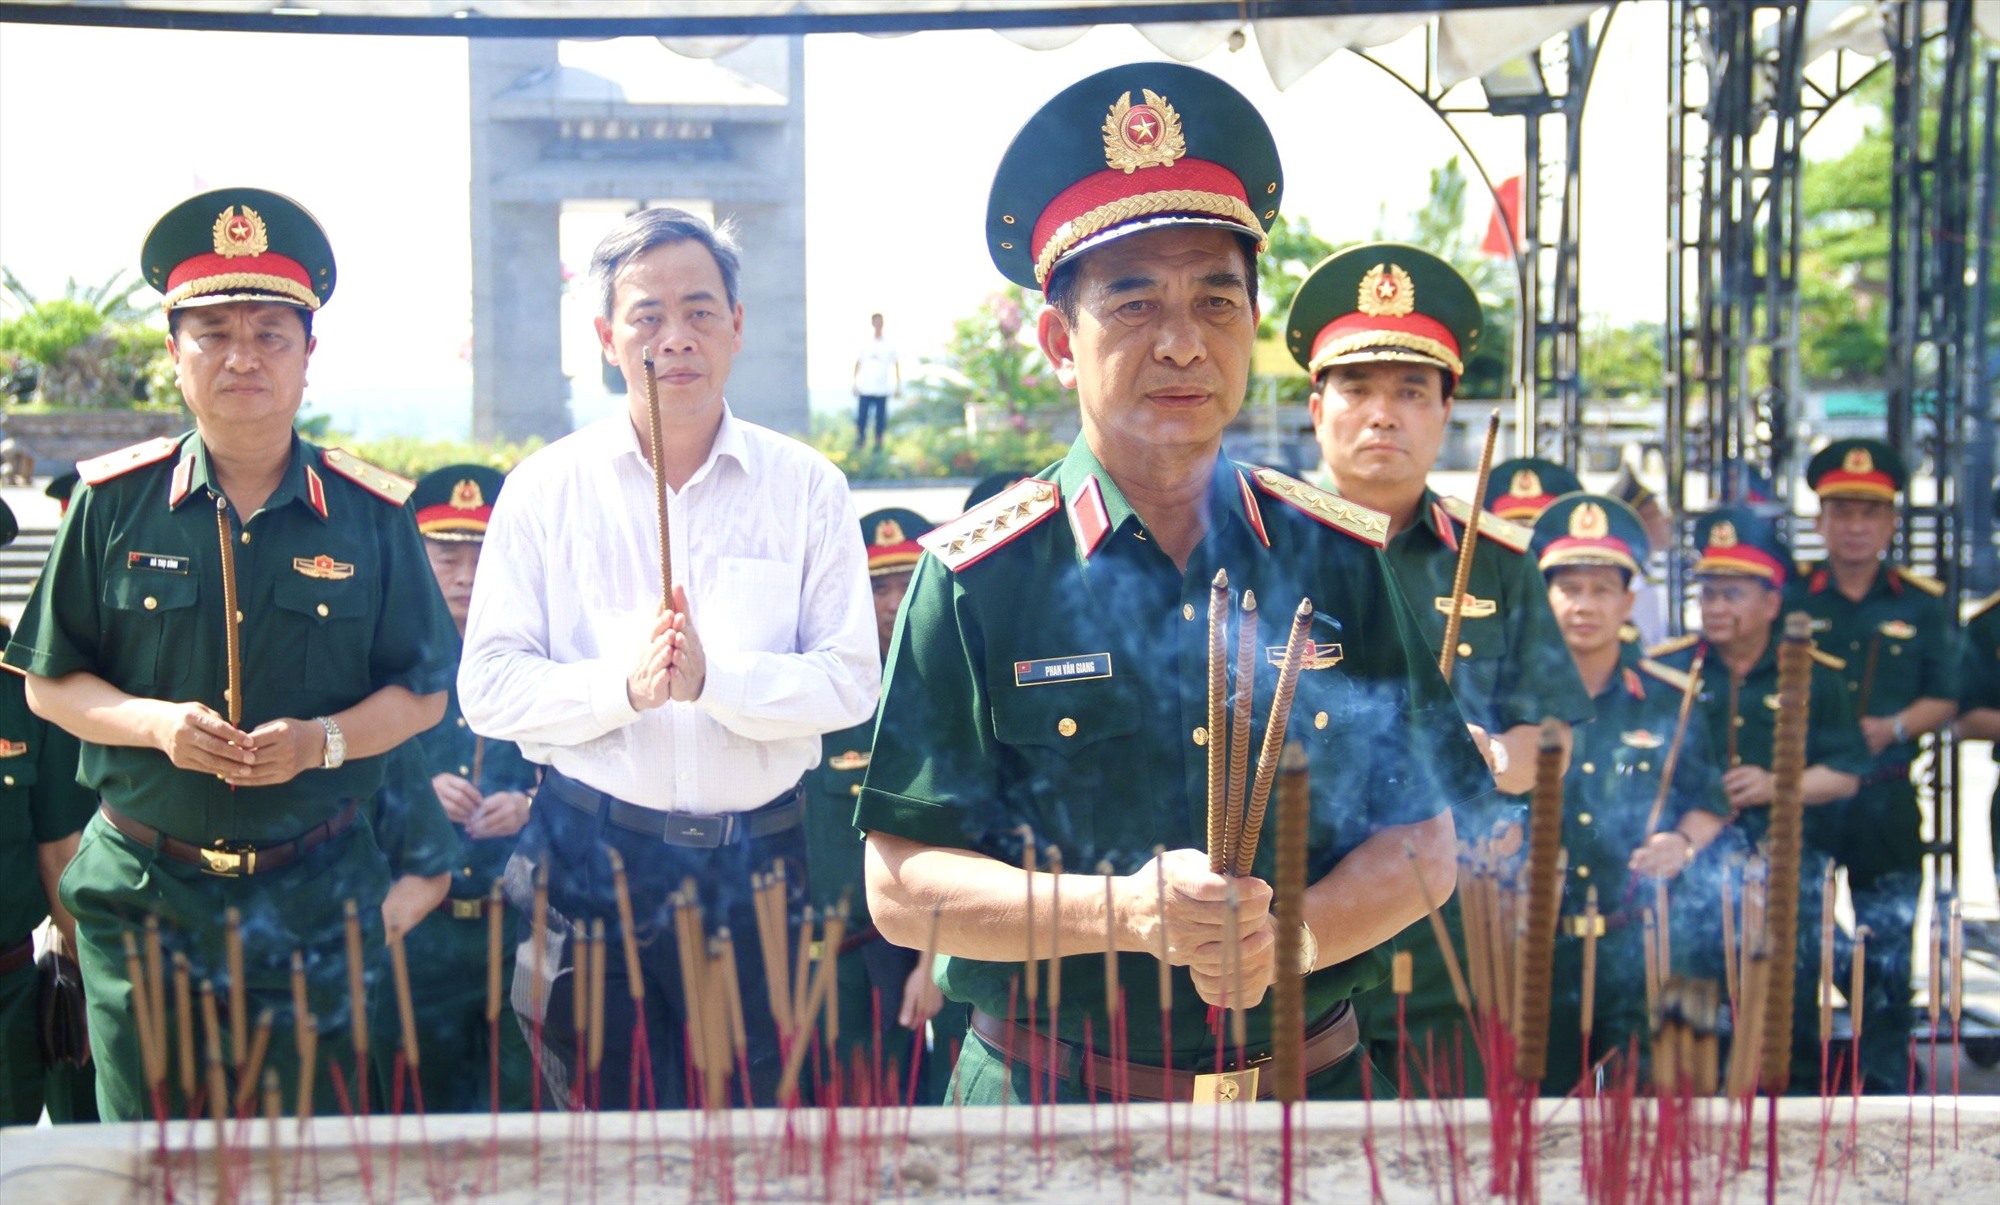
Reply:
x=1438 y=931
x=239 y=1021
x=1212 y=733
x=1054 y=861
x=1462 y=575
x=1826 y=900
x=656 y=446
x=1536 y=952
x=1288 y=1004
x=253 y=1065
x=211 y=1035
x=496 y=912
x=1234 y=826
x=1591 y=918
x=623 y=897
x=184 y=1026
x=142 y=1019
x=1689 y=693
x=597 y=960
x=1274 y=735
x=357 y=999
x=308 y=1064
x=1786 y=836
x=156 y=988
x=274 y=1111
x=1032 y=961
x=399 y=972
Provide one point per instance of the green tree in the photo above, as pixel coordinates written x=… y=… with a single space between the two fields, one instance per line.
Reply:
x=89 y=347
x=1617 y=361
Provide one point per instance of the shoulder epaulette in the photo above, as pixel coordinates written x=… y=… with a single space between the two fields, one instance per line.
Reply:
x=100 y=469
x=380 y=482
x=1929 y=585
x=1667 y=648
x=1369 y=526
x=1504 y=532
x=1983 y=606
x=1828 y=659
x=970 y=537
x=1678 y=679
x=1629 y=633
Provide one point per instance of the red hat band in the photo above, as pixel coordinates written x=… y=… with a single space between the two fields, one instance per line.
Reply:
x=446 y=517
x=1839 y=483
x=1574 y=550
x=1741 y=560
x=268 y=272
x=1103 y=200
x=1413 y=332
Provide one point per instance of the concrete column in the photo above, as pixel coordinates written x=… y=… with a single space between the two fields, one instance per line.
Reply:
x=767 y=384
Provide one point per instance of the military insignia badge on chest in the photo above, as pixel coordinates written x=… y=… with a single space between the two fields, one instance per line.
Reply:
x=1474 y=608
x=1642 y=739
x=323 y=567
x=1319 y=655
x=848 y=762
x=1896 y=629
x=13 y=748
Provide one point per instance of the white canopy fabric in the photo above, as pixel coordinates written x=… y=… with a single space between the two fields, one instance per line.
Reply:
x=1470 y=41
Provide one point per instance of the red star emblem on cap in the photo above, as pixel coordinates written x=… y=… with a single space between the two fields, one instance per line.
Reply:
x=1142 y=126
x=239 y=229
x=1385 y=288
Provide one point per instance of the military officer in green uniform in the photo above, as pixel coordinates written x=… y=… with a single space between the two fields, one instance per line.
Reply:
x=1049 y=674
x=233 y=749
x=1522 y=488
x=885 y=995
x=42 y=809
x=1899 y=637
x=1979 y=689
x=486 y=788
x=1592 y=548
x=1384 y=329
x=1741 y=567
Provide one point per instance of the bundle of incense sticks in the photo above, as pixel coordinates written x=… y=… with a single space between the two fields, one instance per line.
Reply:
x=1535 y=954
x=767 y=897
x=813 y=996
x=357 y=1002
x=1686 y=1045
x=1238 y=799
x=1288 y=1005
x=1786 y=836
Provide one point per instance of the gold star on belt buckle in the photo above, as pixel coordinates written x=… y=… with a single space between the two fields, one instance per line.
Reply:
x=1225 y=1086
x=227 y=863
x=468 y=909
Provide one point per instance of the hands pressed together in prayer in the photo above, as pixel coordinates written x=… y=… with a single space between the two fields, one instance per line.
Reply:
x=195 y=737
x=501 y=814
x=672 y=665
x=1193 y=915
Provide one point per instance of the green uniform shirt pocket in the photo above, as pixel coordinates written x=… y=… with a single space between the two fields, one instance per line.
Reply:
x=321 y=617
x=151 y=627
x=17 y=775
x=1077 y=778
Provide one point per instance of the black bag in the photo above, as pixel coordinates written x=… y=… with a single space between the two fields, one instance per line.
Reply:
x=65 y=1034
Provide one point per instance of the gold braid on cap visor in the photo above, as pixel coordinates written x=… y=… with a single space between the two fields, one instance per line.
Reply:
x=1364 y=340
x=1115 y=213
x=229 y=282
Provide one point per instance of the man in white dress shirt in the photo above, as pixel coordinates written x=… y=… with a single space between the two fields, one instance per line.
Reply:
x=675 y=735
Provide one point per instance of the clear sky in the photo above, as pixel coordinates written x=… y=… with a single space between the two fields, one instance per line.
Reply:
x=102 y=130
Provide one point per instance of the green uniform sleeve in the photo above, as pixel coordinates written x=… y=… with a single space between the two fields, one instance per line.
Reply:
x=61 y=805
x=415 y=646
x=416 y=836
x=1938 y=673
x=58 y=633
x=930 y=778
x=1979 y=663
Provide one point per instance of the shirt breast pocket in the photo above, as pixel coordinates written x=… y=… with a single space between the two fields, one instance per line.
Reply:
x=153 y=621
x=753 y=606
x=1073 y=767
x=326 y=623
x=17 y=777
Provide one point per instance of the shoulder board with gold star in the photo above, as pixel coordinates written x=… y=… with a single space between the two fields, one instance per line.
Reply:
x=1369 y=526
x=1505 y=532
x=1667 y=648
x=970 y=537
x=1828 y=659
x=1629 y=633
x=380 y=482
x=1929 y=585
x=1983 y=606
x=1678 y=679
x=100 y=469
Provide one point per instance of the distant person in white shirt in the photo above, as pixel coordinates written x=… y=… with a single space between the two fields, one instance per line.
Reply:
x=676 y=736
x=878 y=375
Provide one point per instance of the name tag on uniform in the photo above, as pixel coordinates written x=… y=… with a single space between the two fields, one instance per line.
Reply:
x=1896 y=629
x=1080 y=668
x=1822 y=624
x=159 y=562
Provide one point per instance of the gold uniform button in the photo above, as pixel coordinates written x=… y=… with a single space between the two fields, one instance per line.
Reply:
x=151 y=603
x=465 y=770
x=1583 y=872
x=1319 y=721
x=1583 y=818
x=1187 y=610
x=1854 y=686
x=1464 y=649
x=461 y=721
x=855 y=789
x=8 y=780
x=1739 y=721
x=1066 y=726
x=1645 y=766
x=321 y=609
x=1201 y=736
x=246 y=537
x=239 y=617
x=1590 y=767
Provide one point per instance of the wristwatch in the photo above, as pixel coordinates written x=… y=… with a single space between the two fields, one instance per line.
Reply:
x=1901 y=733
x=1308 y=949
x=336 y=745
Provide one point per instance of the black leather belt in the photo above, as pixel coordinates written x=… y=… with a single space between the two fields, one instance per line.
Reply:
x=231 y=861
x=681 y=828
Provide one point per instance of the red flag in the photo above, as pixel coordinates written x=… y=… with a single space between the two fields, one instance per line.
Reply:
x=1496 y=242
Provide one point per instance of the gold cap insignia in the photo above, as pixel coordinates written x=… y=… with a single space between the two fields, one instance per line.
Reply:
x=888 y=532
x=240 y=231
x=1858 y=461
x=1386 y=292
x=1722 y=535
x=1588 y=522
x=1527 y=483
x=467 y=496
x=1142 y=135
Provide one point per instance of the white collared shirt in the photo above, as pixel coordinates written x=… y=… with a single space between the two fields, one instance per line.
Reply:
x=767 y=545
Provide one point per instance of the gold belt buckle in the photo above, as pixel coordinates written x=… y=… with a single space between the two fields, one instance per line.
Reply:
x=1219 y=1088
x=468 y=909
x=229 y=863
x=1580 y=925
